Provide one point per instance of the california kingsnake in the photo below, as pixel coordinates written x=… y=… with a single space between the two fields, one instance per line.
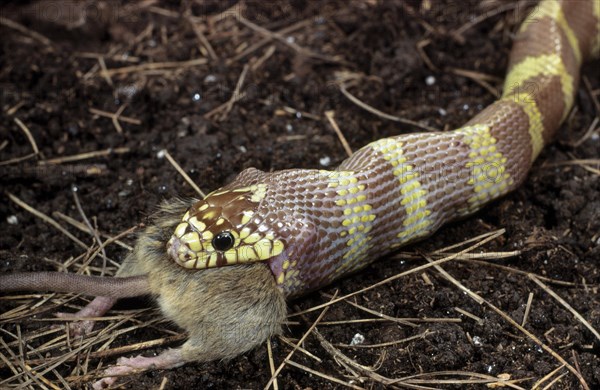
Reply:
x=313 y=226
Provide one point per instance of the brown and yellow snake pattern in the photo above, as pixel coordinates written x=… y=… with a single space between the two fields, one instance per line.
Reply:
x=313 y=226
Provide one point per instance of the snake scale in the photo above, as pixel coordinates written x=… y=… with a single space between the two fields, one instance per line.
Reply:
x=314 y=226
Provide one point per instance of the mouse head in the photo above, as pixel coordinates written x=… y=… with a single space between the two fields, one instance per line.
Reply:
x=222 y=229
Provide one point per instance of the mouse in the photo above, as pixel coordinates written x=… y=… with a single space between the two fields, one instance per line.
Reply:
x=205 y=304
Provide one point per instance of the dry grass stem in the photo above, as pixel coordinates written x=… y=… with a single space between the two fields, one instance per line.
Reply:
x=330 y=117
x=418 y=269
x=221 y=112
x=46 y=219
x=470 y=315
x=566 y=305
x=75 y=223
x=300 y=349
x=324 y=376
x=183 y=173
x=158 y=67
x=298 y=344
x=85 y=156
x=345 y=79
x=527 y=309
x=93 y=231
x=479 y=78
x=272 y=364
x=24 y=30
x=30 y=138
x=477 y=298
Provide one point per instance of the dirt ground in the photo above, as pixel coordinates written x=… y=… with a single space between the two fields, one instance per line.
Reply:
x=67 y=69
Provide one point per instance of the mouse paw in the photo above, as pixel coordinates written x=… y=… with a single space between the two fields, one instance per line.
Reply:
x=132 y=365
x=96 y=308
x=78 y=328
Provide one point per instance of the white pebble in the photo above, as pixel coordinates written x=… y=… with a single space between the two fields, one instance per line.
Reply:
x=477 y=341
x=465 y=107
x=12 y=219
x=325 y=161
x=442 y=112
x=357 y=339
x=211 y=78
x=161 y=153
x=242 y=149
x=196 y=97
x=290 y=39
x=430 y=80
x=289 y=128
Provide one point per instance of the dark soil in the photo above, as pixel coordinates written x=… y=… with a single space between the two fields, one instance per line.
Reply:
x=554 y=219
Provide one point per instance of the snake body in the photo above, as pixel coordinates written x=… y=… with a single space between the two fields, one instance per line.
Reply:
x=313 y=226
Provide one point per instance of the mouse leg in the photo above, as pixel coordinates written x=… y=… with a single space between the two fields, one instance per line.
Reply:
x=96 y=308
x=170 y=358
x=99 y=305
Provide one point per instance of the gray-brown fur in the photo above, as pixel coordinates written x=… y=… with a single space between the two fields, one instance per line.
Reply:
x=226 y=311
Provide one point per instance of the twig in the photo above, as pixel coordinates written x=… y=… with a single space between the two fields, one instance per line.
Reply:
x=92 y=231
x=223 y=110
x=46 y=219
x=156 y=66
x=83 y=228
x=115 y=117
x=22 y=29
x=265 y=40
x=527 y=309
x=28 y=135
x=182 y=173
x=570 y=308
x=458 y=33
x=344 y=77
x=297 y=48
x=324 y=376
x=403 y=274
x=203 y=40
x=479 y=299
x=298 y=344
x=85 y=156
x=479 y=78
x=329 y=115
x=272 y=364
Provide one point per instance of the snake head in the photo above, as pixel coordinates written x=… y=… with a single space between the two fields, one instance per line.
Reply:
x=222 y=229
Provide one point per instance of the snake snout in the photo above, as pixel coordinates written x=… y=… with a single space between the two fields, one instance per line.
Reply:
x=177 y=251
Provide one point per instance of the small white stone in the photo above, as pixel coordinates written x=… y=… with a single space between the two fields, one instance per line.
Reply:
x=477 y=341
x=357 y=339
x=442 y=112
x=325 y=161
x=430 y=80
x=289 y=128
x=211 y=78
x=290 y=39
x=161 y=154
x=12 y=219
x=196 y=97
x=242 y=149
x=465 y=107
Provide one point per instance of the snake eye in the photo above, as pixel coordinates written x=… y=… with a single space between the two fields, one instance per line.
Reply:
x=223 y=241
